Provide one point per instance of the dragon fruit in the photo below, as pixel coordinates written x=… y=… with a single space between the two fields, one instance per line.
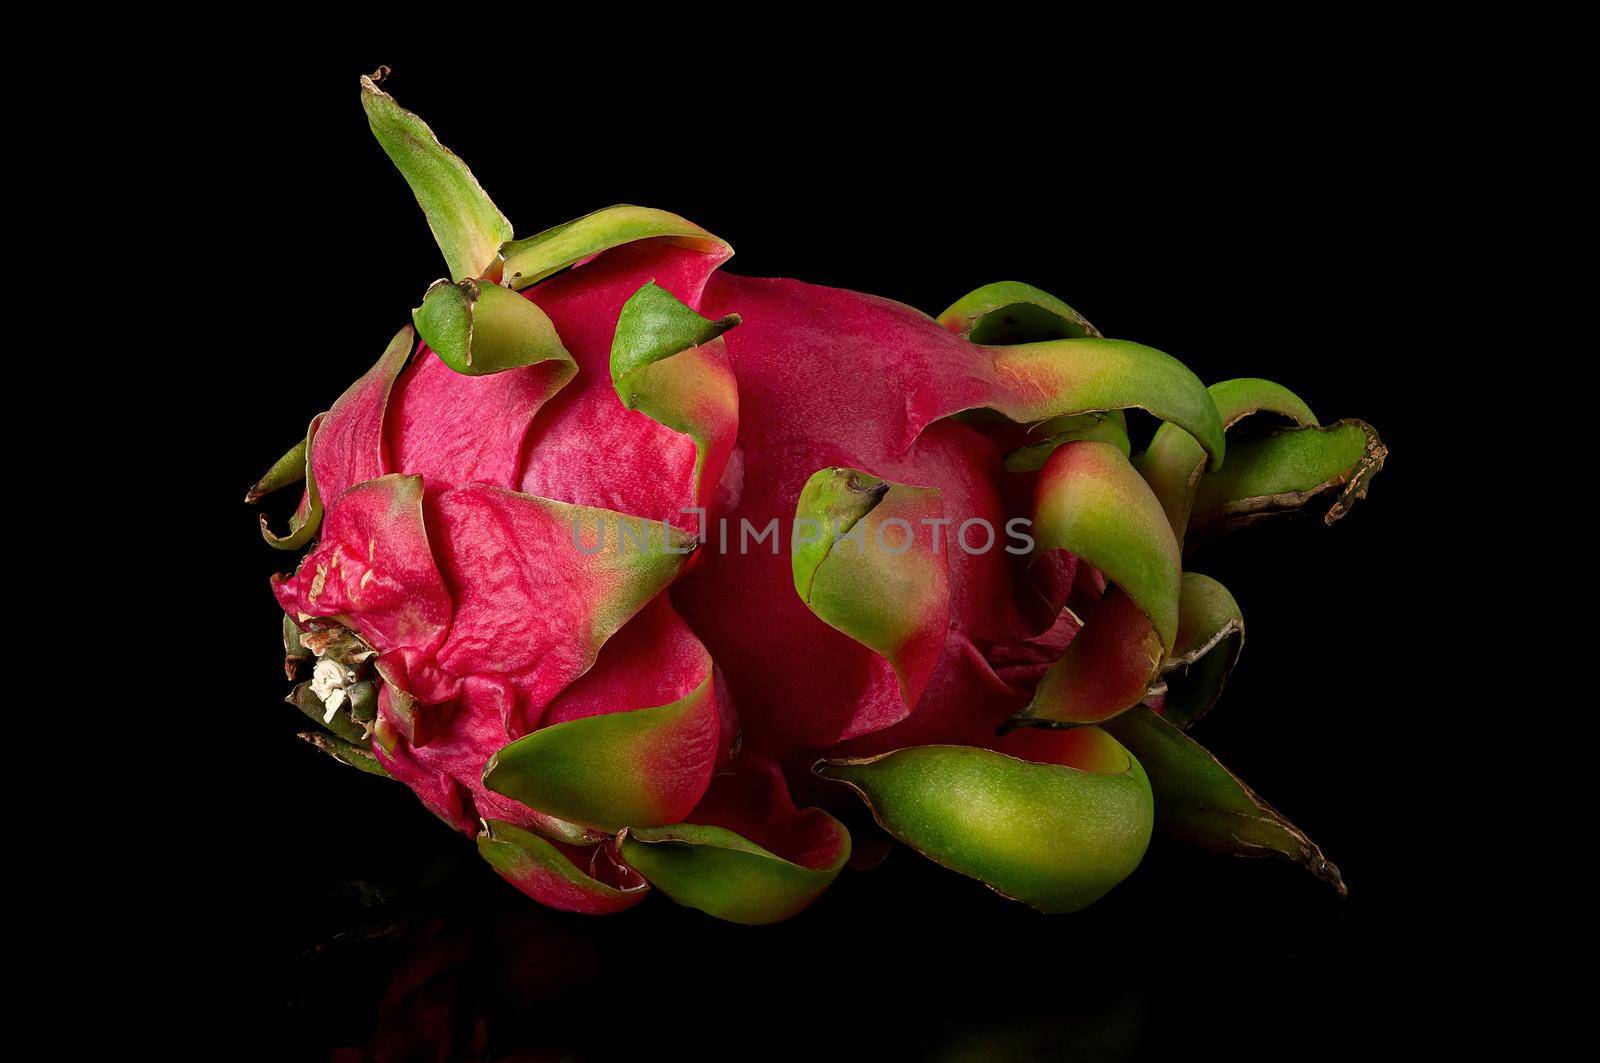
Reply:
x=643 y=574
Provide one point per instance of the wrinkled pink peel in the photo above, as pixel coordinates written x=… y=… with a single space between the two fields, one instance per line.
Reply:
x=489 y=617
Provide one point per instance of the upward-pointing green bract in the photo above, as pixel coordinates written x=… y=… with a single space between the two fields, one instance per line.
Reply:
x=466 y=224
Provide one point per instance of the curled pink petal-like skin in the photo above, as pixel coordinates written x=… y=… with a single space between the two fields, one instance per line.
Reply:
x=447 y=545
x=374 y=568
x=465 y=733
x=587 y=448
x=654 y=660
x=813 y=366
x=432 y=404
x=353 y=448
x=443 y=795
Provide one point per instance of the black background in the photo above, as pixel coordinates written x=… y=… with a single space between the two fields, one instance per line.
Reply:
x=1267 y=225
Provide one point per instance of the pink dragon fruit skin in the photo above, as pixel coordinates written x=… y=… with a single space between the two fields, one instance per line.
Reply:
x=536 y=526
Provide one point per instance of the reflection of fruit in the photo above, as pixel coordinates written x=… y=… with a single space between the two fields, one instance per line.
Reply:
x=528 y=986
x=616 y=492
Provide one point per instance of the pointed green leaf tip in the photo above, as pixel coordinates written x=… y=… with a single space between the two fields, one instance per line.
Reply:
x=863 y=560
x=1174 y=462
x=533 y=258
x=466 y=224
x=1201 y=802
x=1052 y=363
x=1285 y=471
x=669 y=363
x=1060 y=378
x=292 y=468
x=1053 y=836
x=1008 y=312
x=349 y=753
x=289 y=469
x=479 y=328
x=726 y=875
x=836 y=499
x=1091 y=502
x=634 y=768
x=654 y=326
